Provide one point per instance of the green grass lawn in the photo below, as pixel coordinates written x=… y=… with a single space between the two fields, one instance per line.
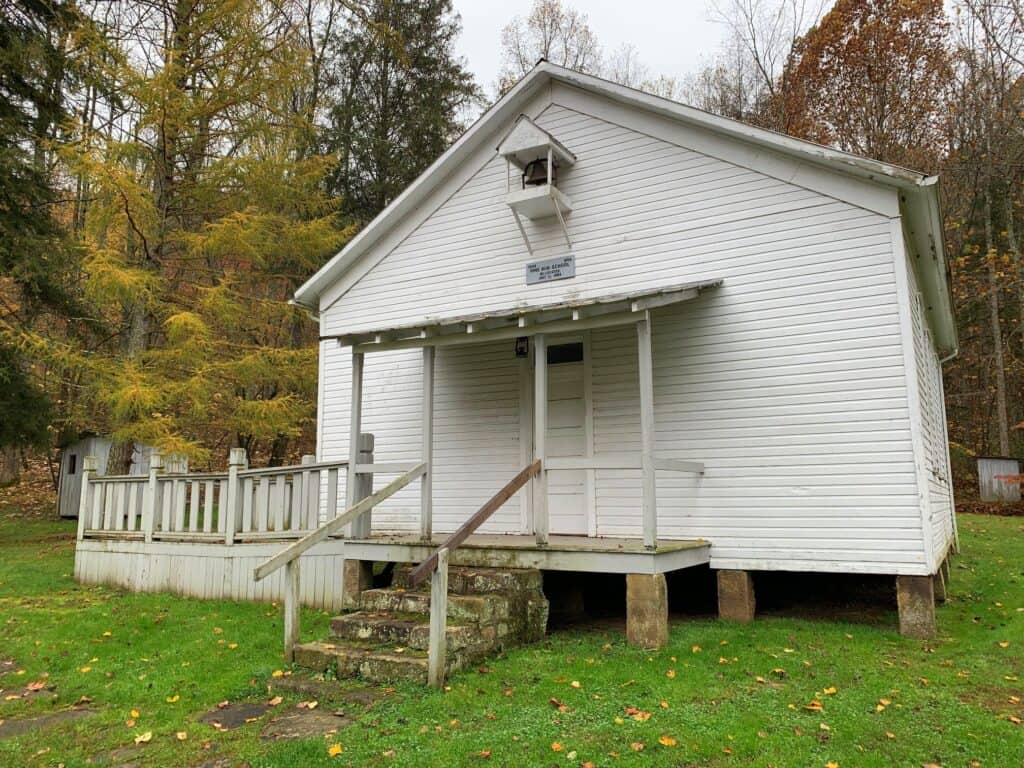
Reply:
x=719 y=695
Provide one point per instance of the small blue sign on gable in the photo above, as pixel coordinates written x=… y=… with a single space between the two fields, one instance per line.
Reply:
x=558 y=268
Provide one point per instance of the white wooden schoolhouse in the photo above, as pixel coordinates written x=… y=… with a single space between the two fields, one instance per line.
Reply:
x=703 y=330
x=700 y=342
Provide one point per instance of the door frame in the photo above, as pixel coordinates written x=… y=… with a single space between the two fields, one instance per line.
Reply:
x=526 y=408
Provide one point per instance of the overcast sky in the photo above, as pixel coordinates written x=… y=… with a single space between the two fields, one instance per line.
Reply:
x=672 y=37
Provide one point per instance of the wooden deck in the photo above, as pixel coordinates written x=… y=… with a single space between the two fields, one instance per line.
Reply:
x=563 y=553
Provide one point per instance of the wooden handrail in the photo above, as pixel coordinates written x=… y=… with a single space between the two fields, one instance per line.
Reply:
x=424 y=569
x=308 y=541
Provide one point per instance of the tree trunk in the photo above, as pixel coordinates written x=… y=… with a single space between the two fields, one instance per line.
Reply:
x=998 y=363
x=9 y=465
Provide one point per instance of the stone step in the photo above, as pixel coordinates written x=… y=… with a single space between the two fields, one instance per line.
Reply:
x=464 y=580
x=477 y=609
x=408 y=630
x=378 y=665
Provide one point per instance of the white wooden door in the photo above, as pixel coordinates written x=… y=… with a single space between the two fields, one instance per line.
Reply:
x=566 y=436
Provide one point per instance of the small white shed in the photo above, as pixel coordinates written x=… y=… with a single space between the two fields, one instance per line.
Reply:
x=69 y=484
x=704 y=331
x=993 y=482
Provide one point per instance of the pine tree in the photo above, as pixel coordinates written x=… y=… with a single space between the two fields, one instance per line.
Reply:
x=34 y=254
x=398 y=98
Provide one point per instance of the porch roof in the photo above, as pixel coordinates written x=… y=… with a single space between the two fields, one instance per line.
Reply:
x=564 y=316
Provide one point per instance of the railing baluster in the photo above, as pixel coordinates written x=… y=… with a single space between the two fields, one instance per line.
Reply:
x=193 y=506
x=263 y=504
x=208 y=506
x=247 y=491
x=178 y=489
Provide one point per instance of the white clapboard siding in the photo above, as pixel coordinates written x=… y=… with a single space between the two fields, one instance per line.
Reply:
x=933 y=427
x=789 y=381
x=476 y=428
x=208 y=571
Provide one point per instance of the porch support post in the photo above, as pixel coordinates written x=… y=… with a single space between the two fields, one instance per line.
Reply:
x=355 y=426
x=540 y=424
x=427 y=481
x=649 y=485
x=646 y=610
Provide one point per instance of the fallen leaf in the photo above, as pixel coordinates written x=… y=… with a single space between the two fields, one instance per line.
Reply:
x=663 y=704
x=695 y=649
x=670 y=674
x=814 y=706
x=144 y=738
x=556 y=747
x=667 y=741
x=830 y=690
x=232 y=646
x=37 y=685
x=134 y=713
x=181 y=735
x=575 y=683
x=173 y=699
x=831 y=764
x=485 y=754
x=84 y=669
x=335 y=749
x=1004 y=644
x=276 y=673
x=637 y=746
x=275 y=701
x=129 y=723
x=1015 y=720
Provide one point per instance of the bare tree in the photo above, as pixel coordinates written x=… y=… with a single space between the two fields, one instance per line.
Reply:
x=551 y=31
x=744 y=79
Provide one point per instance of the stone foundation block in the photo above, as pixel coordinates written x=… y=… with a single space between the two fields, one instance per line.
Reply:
x=735 y=596
x=356 y=578
x=646 y=610
x=915 y=598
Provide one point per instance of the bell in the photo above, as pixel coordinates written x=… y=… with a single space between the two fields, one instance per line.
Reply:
x=536 y=173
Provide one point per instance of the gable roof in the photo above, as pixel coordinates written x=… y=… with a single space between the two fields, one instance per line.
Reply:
x=918 y=191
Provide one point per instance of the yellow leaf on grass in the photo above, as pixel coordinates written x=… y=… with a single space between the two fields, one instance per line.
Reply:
x=84 y=669
x=830 y=690
x=663 y=704
x=134 y=713
x=181 y=735
x=1004 y=644
x=814 y=706
x=335 y=749
x=637 y=746
x=144 y=738
x=831 y=764
x=108 y=634
x=670 y=674
x=575 y=683
x=275 y=701
x=1015 y=720
x=232 y=646
x=556 y=747
x=667 y=741
x=277 y=673
x=695 y=649
x=173 y=699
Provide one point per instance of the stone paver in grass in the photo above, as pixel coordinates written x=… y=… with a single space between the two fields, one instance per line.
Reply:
x=335 y=691
x=232 y=716
x=304 y=724
x=20 y=725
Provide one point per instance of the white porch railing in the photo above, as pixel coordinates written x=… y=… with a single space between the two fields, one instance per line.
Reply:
x=238 y=505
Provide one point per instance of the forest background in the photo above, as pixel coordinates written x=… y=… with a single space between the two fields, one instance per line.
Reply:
x=171 y=170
